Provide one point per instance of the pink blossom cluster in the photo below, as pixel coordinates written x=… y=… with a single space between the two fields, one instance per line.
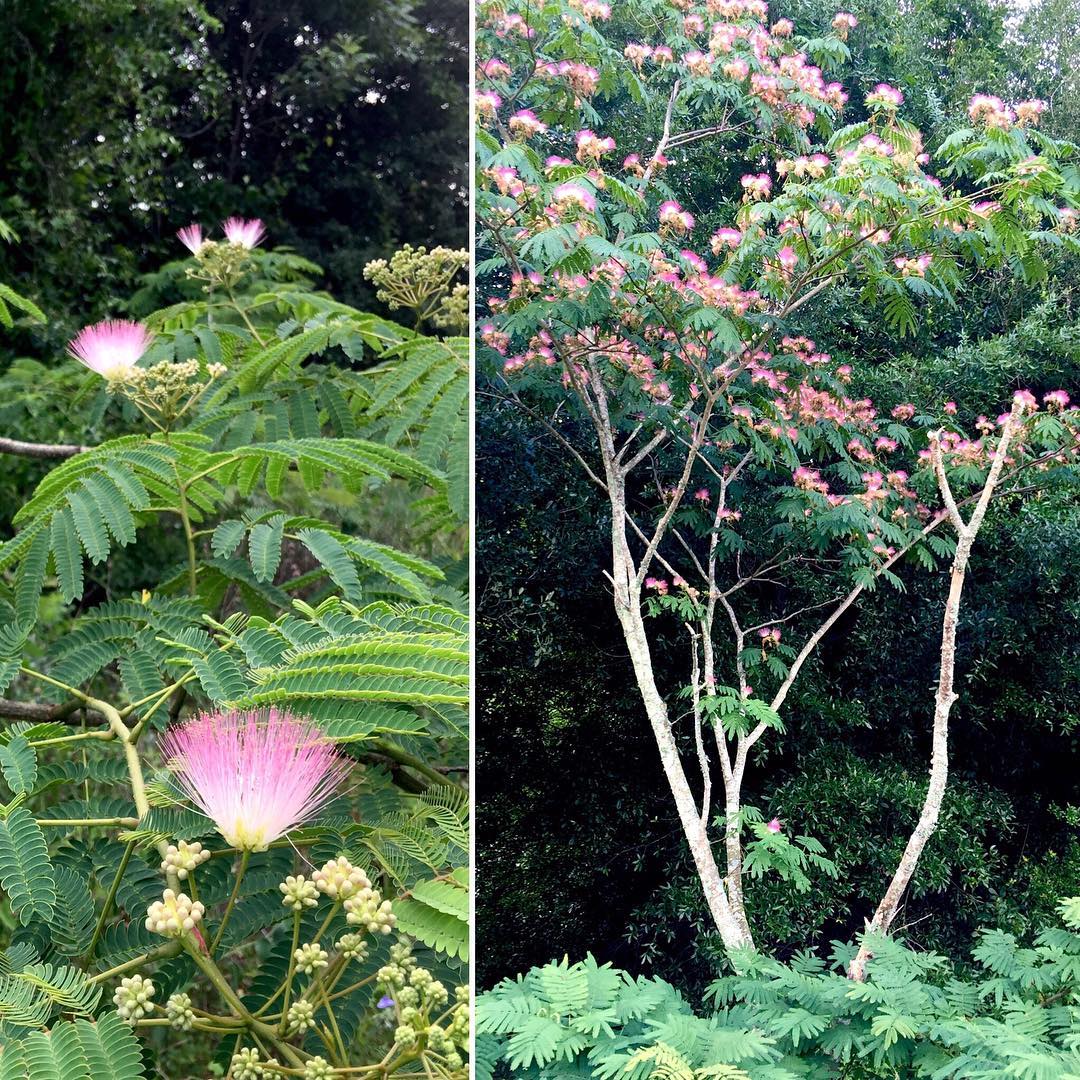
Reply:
x=582 y=78
x=675 y=218
x=884 y=97
x=913 y=267
x=592 y=9
x=590 y=146
x=812 y=165
x=990 y=110
x=525 y=124
x=843 y=23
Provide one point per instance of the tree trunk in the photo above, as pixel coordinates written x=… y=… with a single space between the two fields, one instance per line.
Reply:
x=733 y=927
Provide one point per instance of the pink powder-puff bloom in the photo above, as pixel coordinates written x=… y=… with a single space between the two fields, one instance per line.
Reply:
x=774 y=825
x=725 y=238
x=191 y=238
x=591 y=145
x=487 y=104
x=663 y=55
x=637 y=53
x=673 y=216
x=695 y=261
x=495 y=68
x=884 y=96
x=698 y=62
x=111 y=348
x=991 y=110
x=1026 y=400
x=787 y=258
x=567 y=195
x=1056 y=399
x=255 y=775
x=756 y=185
x=247 y=234
x=916 y=267
x=843 y=23
x=659 y=584
x=1028 y=112
x=950 y=408
x=782 y=28
x=525 y=124
x=736 y=69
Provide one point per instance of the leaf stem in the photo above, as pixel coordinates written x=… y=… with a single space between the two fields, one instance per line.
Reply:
x=106 y=909
x=244 y=858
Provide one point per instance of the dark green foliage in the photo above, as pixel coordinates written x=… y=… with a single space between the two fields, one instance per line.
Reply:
x=914 y=1016
x=343 y=125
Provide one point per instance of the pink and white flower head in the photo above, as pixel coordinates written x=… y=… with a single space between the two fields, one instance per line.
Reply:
x=525 y=123
x=192 y=238
x=698 y=62
x=256 y=775
x=843 y=23
x=774 y=826
x=1028 y=112
x=756 y=185
x=487 y=104
x=1024 y=401
x=674 y=217
x=111 y=348
x=886 y=97
x=787 y=258
x=567 y=196
x=725 y=238
x=245 y=233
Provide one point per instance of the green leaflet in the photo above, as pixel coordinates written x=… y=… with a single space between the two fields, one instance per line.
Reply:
x=26 y=873
x=103 y=1050
x=18 y=762
x=437 y=914
x=264 y=548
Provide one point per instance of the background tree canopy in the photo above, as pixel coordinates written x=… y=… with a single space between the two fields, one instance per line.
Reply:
x=576 y=842
x=342 y=123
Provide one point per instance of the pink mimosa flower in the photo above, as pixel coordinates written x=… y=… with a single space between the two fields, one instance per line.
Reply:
x=111 y=348
x=255 y=775
x=191 y=238
x=774 y=825
x=245 y=233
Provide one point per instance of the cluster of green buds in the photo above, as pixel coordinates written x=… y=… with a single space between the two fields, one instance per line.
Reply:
x=422 y=281
x=370 y=911
x=353 y=947
x=452 y=315
x=220 y=265
x=424 y=1016
x=340 y=880
x=134 y=998
x=301 y=1017
x=182 y=858
x=298 y=893
x=349 y=886
x=247 y=1064
x=179 y=1011
x=163 y=392
x=318 y=1068
x=311 y=958
x=174 y=915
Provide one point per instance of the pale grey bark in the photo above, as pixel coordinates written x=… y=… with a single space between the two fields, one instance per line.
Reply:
x=946 y=695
